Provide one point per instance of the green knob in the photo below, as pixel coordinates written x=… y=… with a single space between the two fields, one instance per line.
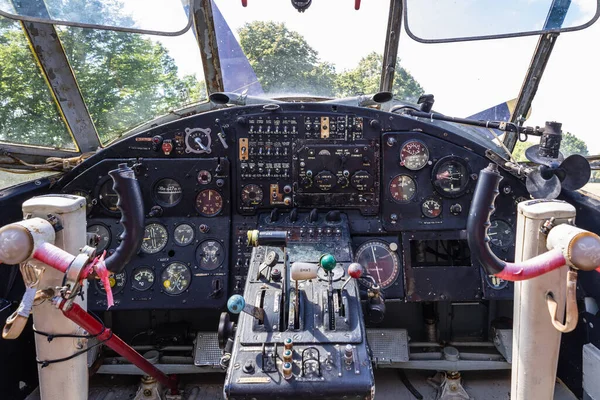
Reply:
x=328 y=262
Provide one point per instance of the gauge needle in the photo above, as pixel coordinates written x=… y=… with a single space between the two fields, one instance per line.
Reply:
x=375 y=261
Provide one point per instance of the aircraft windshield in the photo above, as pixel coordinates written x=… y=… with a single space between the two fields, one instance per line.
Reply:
x=329 y=50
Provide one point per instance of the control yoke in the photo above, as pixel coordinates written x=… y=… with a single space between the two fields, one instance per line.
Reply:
x=567 y=244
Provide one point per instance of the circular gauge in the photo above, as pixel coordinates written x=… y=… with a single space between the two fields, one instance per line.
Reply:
x=379 y=261
x=403 y=188
x=183 y=234
x=176 y=278
x=143 y=279
x=155 y=238
x=252 y=195
x=494 y=282
x=210 y=255
x=88 y=200
x=204 y=177
x=450 y=176
x=198 y=140
x=431 y=207
x=501 y=234
x=414 y=155
x=117 y=283
x=108 y=197
x=168 y=192
x=103 y=236
x=209 y=203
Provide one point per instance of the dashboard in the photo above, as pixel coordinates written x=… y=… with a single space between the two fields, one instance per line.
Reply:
x=401 y=186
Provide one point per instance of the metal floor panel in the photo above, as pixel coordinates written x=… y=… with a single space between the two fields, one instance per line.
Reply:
x=488 y=385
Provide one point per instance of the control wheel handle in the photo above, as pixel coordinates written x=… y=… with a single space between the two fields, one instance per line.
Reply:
x=236 y=304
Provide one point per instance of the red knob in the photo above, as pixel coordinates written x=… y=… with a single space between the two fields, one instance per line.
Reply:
x=355 y=270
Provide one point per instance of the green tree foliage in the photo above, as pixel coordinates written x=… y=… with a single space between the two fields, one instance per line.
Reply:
x=366 y=76
x=283 y=61
x=28 y=113
x=125 y=79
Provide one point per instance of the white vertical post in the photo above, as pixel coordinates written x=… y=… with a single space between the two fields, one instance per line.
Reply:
x=536 y=342
x=66 y=380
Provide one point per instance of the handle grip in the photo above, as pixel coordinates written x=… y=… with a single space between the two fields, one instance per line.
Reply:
x=131 y=206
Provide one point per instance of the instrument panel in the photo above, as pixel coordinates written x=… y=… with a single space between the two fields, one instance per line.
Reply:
x=403 y=185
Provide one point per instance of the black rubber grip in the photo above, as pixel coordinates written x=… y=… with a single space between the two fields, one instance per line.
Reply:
x=131 y=206
x=482 y=207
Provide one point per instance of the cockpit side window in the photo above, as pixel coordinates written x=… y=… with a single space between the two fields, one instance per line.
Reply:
x=28 y=112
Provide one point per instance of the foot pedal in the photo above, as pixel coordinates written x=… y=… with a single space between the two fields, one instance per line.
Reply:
x=388 y=345
x=207 y=352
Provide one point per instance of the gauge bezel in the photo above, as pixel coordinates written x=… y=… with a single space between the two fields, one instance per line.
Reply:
x=166 y=240
x=198 y=259
x=403 y=163
x=107 y=229
x=414 y=195
x=201 y=182
x=511 y=229
x=252 y=202
x=119 y=289
x=163 y=203
x=205 y=214
x=107 y=180
x=193 y=234
x=165 y=291
x=436 y=199
x=437 y=166
x=394 y=255
x=138 y=269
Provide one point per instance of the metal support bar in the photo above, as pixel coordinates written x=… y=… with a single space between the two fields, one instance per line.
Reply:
x=78 y=315
x=46 y=46
x=204 y=28
x=530 y=84
x=390 y=53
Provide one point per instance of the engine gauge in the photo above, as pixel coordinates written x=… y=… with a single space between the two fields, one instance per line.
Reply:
x=252 y=195
x=210 y=255
x=379 y=261
x=108 y=197
x=431 y=207
x=450 y=176
x=103 y=236
x=155 y=238
x=403 y=188
x=167 y=192
x=495 y=283
x=501 y=234
x=209 y=203
x=143 y=279
x=176 y=278
x=117 y=283
x=88 y=200
x=414 y=155
x=183 y=234
x=204 y=177
x=198 y=140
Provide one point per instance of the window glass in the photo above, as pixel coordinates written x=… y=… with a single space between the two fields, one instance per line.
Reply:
x=28 y=112
x=127 y=79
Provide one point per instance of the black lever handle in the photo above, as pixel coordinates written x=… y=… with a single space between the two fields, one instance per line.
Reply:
x=131 y=206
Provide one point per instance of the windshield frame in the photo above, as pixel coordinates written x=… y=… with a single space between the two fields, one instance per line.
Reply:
x=498 y=36
x=190 y=6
